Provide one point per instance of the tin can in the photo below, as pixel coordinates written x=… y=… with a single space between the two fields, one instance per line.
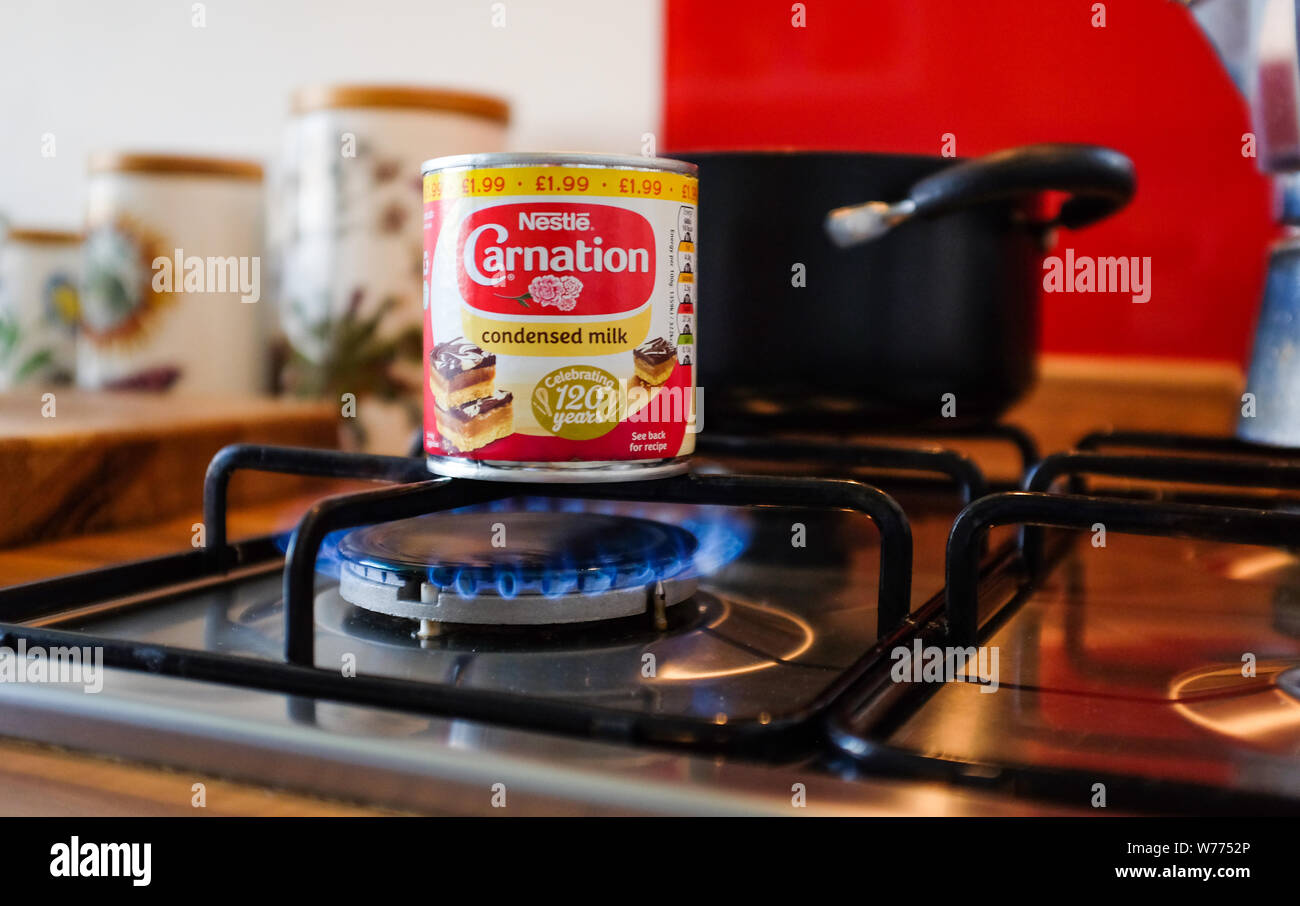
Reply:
x=559 y=297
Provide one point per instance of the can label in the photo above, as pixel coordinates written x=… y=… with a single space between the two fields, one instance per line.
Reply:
x=559 y=321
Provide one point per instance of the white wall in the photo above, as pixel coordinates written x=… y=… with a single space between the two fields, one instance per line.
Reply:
x=136 y=74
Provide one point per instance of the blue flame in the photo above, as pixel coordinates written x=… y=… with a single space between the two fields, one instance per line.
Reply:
x=507 y=583
x=721 y=534
x=328 y=561
x=466 y=583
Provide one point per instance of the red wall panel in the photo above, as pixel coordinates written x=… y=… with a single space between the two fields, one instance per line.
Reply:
x=895 y=75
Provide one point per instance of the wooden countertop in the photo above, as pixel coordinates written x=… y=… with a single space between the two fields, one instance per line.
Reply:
x=77 y=553
x=1076 y=395
x=77 y=461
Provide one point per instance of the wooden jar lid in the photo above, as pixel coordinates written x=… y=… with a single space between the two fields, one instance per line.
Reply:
x=402 y=97
x=42 y=236
x=175 y=164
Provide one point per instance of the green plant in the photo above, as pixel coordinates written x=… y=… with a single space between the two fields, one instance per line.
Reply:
x=37 y=360
x=357 y=359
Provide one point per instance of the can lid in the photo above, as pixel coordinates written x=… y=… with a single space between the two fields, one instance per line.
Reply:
x=402 y=97
x=39 y=235
x=177 y=164
x=559 y=159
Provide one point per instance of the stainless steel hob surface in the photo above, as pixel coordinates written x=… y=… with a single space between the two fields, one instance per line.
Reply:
x=1157 y=657
x=765 y=630
x=440 y=766
x=768 y=675
x=788 y=604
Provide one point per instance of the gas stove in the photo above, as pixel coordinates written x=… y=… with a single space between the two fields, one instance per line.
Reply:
x=754 y=637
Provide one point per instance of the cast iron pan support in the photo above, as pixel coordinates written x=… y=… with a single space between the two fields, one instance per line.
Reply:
x=894 y=592
x=348 y=510
x=1183 y=443
x=961 y=469
x=289 y=461
x=303 y=681
x=1238 y=472
x=1233 y=525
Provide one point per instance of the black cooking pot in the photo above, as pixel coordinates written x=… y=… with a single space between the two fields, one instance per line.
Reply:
x=938 y=295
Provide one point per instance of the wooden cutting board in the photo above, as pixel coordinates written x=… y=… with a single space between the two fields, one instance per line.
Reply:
x=88 y=461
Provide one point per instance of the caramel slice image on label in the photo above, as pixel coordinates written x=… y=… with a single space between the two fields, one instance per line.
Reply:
x=478 y=422
x=460 y=372
x=654 y=360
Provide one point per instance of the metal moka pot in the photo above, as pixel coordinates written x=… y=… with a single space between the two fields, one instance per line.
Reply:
x=1258 y=43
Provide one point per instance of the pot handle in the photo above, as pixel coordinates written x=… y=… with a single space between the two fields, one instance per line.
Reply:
x=1100 y=180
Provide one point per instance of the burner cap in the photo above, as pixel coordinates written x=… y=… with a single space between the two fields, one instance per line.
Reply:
x=516 y=568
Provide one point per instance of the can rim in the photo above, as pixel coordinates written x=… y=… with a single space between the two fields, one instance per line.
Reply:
x=525 y=471
x=559 y=159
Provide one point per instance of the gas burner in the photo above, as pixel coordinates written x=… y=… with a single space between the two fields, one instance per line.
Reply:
x=517 y=569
